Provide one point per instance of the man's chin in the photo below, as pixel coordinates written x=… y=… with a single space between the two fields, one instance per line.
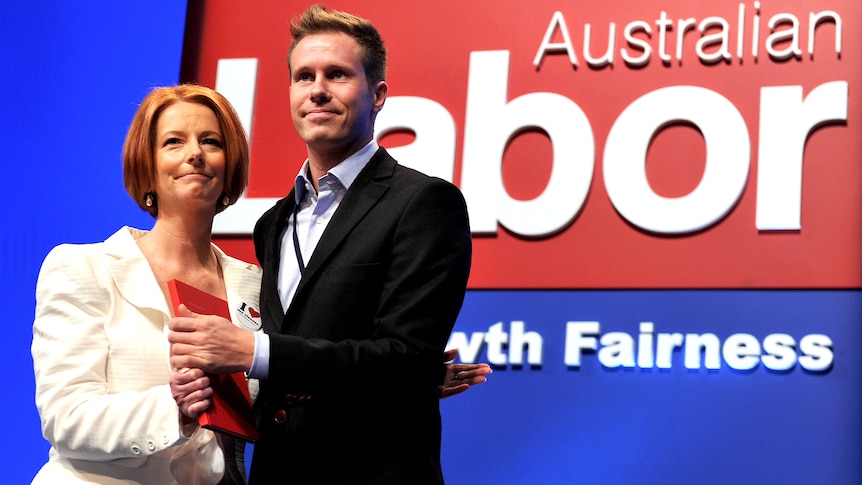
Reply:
x=318 y=135
x=322 y=137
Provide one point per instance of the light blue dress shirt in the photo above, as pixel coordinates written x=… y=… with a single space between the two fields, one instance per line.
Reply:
x=315 y=211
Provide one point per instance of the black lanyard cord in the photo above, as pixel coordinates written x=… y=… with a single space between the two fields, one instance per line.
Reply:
x=296 y=240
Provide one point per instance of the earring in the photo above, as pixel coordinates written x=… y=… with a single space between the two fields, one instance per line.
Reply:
x=148 y=199
x=225 y=201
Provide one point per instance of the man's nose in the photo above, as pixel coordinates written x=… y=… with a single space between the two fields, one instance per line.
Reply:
x=320 y=90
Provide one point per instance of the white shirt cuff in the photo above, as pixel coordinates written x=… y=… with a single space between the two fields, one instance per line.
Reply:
x=260 y=360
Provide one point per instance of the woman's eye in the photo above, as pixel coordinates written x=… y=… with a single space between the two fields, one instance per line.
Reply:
x=172 y=141
x=212 y=141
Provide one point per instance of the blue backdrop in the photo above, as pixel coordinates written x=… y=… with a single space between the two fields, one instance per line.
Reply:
x=72 y=76
x=592 y=424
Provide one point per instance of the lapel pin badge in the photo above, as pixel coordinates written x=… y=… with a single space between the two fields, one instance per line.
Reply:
x=248 y=317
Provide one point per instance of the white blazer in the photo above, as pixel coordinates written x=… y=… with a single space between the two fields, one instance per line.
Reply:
x=101 y=359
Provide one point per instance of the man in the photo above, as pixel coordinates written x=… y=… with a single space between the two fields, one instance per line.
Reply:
x=365 y=269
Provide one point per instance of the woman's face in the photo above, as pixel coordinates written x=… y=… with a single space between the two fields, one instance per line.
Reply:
x=190 y=159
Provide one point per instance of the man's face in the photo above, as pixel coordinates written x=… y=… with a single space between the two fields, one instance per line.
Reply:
x=332 y=107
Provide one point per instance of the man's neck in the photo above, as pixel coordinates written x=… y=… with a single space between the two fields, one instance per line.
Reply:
x=322 y=161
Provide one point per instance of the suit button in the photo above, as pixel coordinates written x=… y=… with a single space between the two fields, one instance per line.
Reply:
x=280 y=416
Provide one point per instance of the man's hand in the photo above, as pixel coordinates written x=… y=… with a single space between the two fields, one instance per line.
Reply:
x=460 y=377
x=210 y=343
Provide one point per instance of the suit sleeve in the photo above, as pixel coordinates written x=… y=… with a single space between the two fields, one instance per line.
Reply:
x=406 y=302
x=83 y=415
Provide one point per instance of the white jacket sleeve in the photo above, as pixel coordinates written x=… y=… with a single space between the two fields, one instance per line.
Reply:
x=100 y=363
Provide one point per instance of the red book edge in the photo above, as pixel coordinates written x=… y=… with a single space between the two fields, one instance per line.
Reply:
x=230 y=408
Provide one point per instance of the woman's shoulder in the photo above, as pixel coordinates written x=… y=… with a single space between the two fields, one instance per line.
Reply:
x=86 y=255
x=67 y=249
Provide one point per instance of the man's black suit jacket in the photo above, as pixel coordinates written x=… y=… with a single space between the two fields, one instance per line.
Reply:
x=356 y=359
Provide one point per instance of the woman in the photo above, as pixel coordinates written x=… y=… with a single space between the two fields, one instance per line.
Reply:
x=99 y=349
x=100 y=353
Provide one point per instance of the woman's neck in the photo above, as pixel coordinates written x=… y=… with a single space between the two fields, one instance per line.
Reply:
x=183 y=251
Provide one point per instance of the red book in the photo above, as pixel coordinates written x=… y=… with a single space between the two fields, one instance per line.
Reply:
x=230 y=408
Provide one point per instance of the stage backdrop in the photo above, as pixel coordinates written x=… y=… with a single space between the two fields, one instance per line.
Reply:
x=665 y=198
x=73 y=74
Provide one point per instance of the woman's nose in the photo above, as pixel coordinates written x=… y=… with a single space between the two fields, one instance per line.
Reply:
x=195 y=154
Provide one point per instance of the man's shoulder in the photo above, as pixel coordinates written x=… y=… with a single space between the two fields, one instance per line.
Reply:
x=268 y=218
x=412 y=179
x=407 y=175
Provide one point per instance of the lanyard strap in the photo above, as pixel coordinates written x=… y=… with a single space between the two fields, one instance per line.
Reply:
x=296 y=240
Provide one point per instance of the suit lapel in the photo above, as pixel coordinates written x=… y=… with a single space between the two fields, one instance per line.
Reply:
x=270 y=300
x=132 y=274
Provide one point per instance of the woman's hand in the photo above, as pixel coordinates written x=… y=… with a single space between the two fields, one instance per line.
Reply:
x=460 y=377
x=191 y=391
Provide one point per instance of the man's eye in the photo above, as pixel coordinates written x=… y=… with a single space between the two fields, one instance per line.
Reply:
x=303 y=77
x=338 y=75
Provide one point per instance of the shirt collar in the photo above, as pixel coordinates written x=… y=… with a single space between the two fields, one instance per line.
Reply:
x=346 y=171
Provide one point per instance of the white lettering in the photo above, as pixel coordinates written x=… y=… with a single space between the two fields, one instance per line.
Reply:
x=606 y=58
x=722 y=53
x=755 y=28
x=236 y=80
x=520 y=341
x=664 y=24
x=727 y=160
x=645 y=339
x=580 y=336
x=468 y=350
x=817 y=350
x=682 y=26
x=702 y=344
x=665 y=346
x=643 y=45
x=741 y=351
x=814 y=19
x=557 y=22
x=786 y=122
x=432 y=152
x=781 y=43
x=790 y=36
x=780 y=352
x=496 y=340
x=490 y=123
x=618 y=350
